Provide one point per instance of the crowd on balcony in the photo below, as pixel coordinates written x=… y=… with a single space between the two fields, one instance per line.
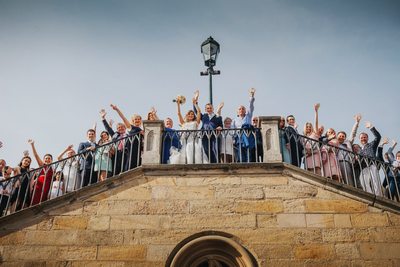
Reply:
x=202 y=138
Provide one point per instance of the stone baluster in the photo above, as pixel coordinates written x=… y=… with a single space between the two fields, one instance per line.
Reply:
x=270 y=138
x=152 y=141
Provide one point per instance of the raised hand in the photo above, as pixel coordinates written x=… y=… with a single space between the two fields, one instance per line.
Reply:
x=103 y=113
x=394 y=143
x=111 y=122
x=69 y=147
x=31 y=142
x=252 y=92
x=25 y=153
x=196 y=95
x=368 y=125
x=220 y=106
x=357 y=117
x=114 y=107
x=385 y=141
x=316 y=106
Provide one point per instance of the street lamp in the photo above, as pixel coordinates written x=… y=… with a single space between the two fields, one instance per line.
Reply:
x=210 y=51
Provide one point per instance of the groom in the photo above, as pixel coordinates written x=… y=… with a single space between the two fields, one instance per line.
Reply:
x=210 y=123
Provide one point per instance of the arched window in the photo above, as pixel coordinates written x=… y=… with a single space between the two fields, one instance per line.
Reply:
x=210 y=250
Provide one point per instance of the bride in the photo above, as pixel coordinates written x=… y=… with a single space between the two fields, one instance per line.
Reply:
x=191 y=150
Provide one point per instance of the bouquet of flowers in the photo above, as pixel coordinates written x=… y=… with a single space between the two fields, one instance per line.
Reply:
x=180 y=99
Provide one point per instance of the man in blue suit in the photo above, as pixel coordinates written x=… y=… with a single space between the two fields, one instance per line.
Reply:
x=87 y=162
x=210 y=123
x=170 y=139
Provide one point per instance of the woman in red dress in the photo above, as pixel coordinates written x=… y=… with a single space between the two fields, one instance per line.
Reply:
x=41 y=183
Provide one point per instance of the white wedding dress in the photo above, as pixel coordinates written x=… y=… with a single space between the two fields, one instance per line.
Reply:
x=191 y=147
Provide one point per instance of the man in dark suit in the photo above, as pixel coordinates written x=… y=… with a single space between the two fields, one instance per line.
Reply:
x=295 y=145
x=86 y=161
x=211 y=122
x=170 y=139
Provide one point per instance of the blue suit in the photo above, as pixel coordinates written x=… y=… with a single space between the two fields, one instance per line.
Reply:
x=170 y=139
x=87 y=163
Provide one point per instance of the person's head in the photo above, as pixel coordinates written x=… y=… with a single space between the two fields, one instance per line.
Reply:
x=209 y=108
x=386 y=156
x=2 y=164
x=47 y=159
x=363 y=138
x=25 y=162
x=398 y=156
x=189 y=116
x=104 y=137
x=321 y=130
x=7 y=171
x=356 y=148
x=254 y=121
x=121 y=128
x=241 y=111
x=227 y=122
x=71 y=153
x=91 y=135
x=308 y=128
x=59 y=176
x=341 y=137
x=331 y=132
x=291 y=120
x=150 y=116
x=282 y=123
x=168 y=123
x=136 y=120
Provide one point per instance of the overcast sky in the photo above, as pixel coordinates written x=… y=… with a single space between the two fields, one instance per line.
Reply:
x=62 y=61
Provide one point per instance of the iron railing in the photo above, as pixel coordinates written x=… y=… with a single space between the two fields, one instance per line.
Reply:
x=49 y=181
x=335 y=162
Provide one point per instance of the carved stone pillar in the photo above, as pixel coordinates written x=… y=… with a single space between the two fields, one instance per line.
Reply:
x=270 y=138
x=152 y=142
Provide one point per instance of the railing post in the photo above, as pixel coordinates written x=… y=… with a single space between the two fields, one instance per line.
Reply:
x=152 y=141
x=270 y=138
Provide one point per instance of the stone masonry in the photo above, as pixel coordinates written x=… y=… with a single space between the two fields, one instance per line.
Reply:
x=282 y=215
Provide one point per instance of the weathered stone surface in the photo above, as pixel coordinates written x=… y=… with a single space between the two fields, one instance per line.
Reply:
x=264 y=206
x=159 y=252
x=278 y=236
x=291 y=220
x=320 y=220
x=135 y=222
x=136 y=192
x=211 y=206
x=15 y=238
x=201 y=181
x=201 y=221
x=128 y=252
x=342 y=220
x=270 y=180
x=264 y=221
x=156 y=237
x=70 y=222
x=334 y=206
x=339 y=235
x=173 y=192
x=294 y=206
x=239 y=192
x=290 y=192
x=273 y=252
x=380 y=250
x=369 y=220
x=99 y=223
x=314 y=251
x=387 y=234
x=394 y=219
x=347 y=251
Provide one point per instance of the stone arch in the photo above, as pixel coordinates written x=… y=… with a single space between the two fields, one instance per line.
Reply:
x=211 y=249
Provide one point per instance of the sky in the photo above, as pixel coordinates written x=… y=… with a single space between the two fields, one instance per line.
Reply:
x=61 y=61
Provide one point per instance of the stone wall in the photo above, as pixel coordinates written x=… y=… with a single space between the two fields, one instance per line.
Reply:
x=282 y=215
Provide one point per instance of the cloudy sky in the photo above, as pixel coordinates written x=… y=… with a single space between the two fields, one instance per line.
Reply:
x=62 y=61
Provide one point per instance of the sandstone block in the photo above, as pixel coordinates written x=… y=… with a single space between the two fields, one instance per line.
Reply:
x=69 y=222
x=71 y=253
x=239 y=192
x=314 y=251
x=201 y=181
x=201 y=221
x=15 y=238
x=172 y=192
x=159 y=252
x=263 y=206
x=291 y=220
x=273 y=252
x=320 y=220
x=342 y=220
x=211 y=206
x=294 y=206
x=290 y=192
x=269 y=180
x=135 y=222
x=132 y=252
x=99 y=223
x=157 y=237
x=387 y=234
x=334 y=206
x=369 y=220
x=347 y=251
x=278 y=236
x=55 y=237
x=338 y=235
x=394 y=219
x=136 y=192
x=375 y=251
x=110 y=238
x=264 y=221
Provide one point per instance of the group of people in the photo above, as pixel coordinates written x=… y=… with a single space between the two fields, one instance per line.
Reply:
x=202 y=138
x=338 y=157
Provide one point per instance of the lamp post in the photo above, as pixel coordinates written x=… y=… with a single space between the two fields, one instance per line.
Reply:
x=210 y=51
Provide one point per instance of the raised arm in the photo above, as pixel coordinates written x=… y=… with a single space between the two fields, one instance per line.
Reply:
x=316 y=108
x=353 y=135
x=61 y=156
x=196 y=97
x=180 y=118
x=252 y=91
x=37 y=157
x=219 y=109
x=124 y=119
x=198 y=115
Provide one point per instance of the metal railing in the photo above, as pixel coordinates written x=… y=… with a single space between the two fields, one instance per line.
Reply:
x=212 y=146
x=50 y=181
x=342 y=165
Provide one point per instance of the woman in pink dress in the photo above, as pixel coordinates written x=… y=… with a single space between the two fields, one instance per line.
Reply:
x=312 y=160
x=329 y=159
x=41 y=183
